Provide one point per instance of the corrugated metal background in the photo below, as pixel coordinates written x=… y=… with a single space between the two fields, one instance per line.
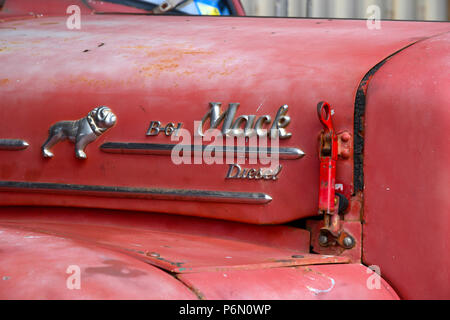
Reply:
x=390 y=9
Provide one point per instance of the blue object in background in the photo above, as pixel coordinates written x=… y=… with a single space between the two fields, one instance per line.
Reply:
x=212 y=7
x=200 y=7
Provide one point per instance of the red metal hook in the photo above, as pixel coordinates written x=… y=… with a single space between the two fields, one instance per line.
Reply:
x=324 y=112
x=328 y=153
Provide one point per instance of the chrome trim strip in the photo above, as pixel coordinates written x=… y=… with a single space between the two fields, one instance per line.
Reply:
x=13 y=144
x=166 y=149
x=138 y=193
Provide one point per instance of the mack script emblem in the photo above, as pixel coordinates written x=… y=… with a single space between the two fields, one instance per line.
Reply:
x=244 y=125
x=251 y=125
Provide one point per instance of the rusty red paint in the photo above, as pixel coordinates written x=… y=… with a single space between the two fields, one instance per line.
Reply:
x=353 y=228
x=143 y=67
x=349 y=281
x=178 y=252
x=117 y=60
x=36 y=266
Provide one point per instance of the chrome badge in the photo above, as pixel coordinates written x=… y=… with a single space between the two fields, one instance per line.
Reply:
x=81 y=132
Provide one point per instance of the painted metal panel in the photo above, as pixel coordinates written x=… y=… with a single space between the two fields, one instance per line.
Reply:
x=283 y=237
x=332 y=282
x=407 y=225
x=38 y=266
x=39 y=261
x=172 y=76
x=178 y=252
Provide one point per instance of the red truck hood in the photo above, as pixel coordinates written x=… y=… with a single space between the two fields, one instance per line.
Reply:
x=125 y=255
x=169 y=69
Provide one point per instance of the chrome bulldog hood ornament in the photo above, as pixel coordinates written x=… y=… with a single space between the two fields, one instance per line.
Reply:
x=81 y=132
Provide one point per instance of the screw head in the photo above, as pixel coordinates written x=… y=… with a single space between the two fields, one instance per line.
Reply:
x=345 y=137
x=349 y=242
x=323 y=240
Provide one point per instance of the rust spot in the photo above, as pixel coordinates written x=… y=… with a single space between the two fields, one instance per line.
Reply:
x=152 y=254
x=195 y=290
x=156 y=256
x=137 y=47
x=197 y=52
x=102 y=83
x=4 y=81
x=164 y=65
x=186 y=73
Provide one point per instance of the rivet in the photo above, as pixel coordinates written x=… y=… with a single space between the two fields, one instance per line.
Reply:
x=349 y=242
x=345 y=137
x=323 y=239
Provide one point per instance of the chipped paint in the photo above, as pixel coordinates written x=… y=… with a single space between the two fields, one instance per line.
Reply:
x=318 y=291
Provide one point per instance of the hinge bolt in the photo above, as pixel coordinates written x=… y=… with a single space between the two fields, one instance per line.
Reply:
x=349 y=242
x=323 y=240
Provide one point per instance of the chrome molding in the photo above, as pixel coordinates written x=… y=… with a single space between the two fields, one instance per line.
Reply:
x=137 y=193
x=13 y=144
x=166 y=149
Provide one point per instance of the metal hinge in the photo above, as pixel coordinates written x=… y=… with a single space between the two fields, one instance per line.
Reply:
x=331 y=203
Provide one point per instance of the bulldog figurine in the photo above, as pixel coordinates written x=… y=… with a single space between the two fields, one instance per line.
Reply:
x=81 y=132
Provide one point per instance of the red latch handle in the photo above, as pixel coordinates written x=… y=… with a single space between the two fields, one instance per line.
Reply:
x=324 y=112
x=328 y=153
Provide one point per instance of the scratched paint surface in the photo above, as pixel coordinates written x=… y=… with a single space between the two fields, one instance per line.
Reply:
x=116 y=251
x=169 y=69
x=177 y=252
x=34 y=266
x=348 y=281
